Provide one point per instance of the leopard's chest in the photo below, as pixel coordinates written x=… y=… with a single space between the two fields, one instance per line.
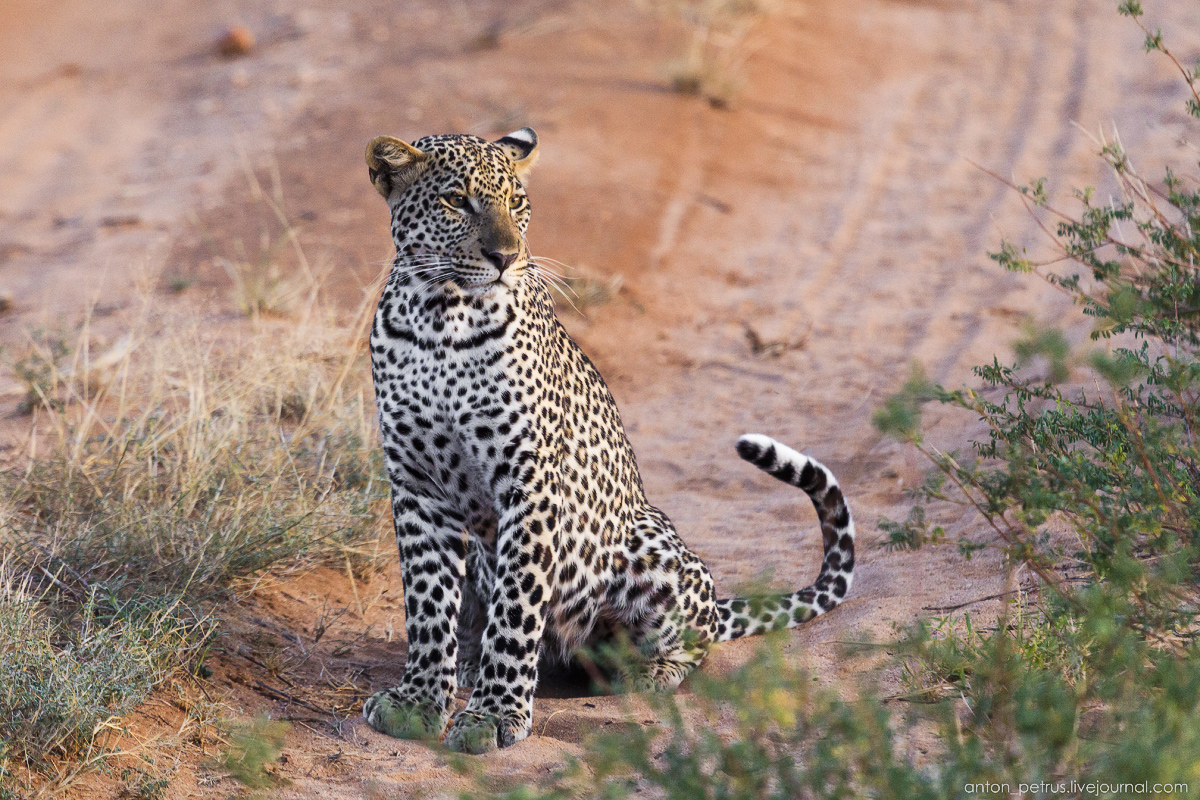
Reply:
x=457 y=390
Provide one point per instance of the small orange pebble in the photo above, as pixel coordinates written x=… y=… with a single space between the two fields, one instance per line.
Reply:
x=237 y=41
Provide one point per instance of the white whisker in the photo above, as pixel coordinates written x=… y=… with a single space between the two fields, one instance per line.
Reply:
x=570 y=302
x=545 y=260
x=558 y=281
x=543 y=270
x=437 y=278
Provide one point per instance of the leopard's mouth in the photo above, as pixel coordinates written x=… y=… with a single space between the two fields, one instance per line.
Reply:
x=439 y=271
x=479 y=278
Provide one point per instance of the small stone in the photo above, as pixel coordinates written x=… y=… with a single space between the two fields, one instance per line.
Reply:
x=121 y=221
x=237 y=41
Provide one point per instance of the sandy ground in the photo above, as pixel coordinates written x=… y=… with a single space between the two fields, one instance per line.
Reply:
x=834 y=211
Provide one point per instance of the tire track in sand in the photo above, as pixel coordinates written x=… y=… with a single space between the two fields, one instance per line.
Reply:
x=901 y=275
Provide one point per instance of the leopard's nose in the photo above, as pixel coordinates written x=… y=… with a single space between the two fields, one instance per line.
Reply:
x=501 y=261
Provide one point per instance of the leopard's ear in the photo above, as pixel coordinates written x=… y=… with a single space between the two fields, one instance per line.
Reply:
x=393 y=164
x=522 y=149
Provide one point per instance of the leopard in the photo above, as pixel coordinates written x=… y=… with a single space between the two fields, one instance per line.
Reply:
x=524 y=531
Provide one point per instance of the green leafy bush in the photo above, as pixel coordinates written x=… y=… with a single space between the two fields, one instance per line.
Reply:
x=254 y=748
x=62 y=685
x=1095 y=492
x=762 y=732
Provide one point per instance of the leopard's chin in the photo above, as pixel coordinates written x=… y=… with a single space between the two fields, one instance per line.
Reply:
x=498 y=286
x=510 y=279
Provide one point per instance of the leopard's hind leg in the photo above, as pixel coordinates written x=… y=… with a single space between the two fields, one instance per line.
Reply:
x=472 y=616
x=666 y=652
x=666 y=603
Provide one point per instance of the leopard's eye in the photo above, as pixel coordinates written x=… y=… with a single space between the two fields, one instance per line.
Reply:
x=514 y=202
x=455 y=199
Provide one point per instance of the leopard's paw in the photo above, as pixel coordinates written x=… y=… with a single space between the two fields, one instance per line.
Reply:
x=388 y=713
x=480 y=733
x=474 y=733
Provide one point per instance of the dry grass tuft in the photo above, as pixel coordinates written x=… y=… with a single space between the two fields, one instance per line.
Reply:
x=161 y=475
x=197 y=458
x=275 y=279
x=718 y=45
x=69 y=672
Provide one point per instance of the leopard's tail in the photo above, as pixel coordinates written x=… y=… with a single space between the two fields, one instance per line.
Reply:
x=740 y=616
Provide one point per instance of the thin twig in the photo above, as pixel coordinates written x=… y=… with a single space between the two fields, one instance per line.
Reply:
x=279 y=694
x=957 y=606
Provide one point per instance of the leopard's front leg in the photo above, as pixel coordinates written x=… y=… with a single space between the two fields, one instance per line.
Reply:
x=500 y=711
x=432 y=559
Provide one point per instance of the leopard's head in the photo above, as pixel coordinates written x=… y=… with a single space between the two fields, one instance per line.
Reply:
x=458 y=203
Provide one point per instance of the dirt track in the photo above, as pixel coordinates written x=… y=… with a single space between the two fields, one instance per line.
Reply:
x=834 y=210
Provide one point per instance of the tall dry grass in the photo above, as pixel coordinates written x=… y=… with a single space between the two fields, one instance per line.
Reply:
x=719 y=38
x=186 y=457
x=164 y=471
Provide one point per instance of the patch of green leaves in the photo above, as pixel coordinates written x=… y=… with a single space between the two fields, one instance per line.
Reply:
x=254 y=750
x=762 y=732
x=68 y=673
x=900 y=415
x=913 y=533
x=1073 y=677
x=1047 y=343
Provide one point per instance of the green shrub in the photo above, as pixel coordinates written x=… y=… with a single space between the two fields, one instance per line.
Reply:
x=62 y=684
x=253 y=749
x=762 y=732
x=1098 y=677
